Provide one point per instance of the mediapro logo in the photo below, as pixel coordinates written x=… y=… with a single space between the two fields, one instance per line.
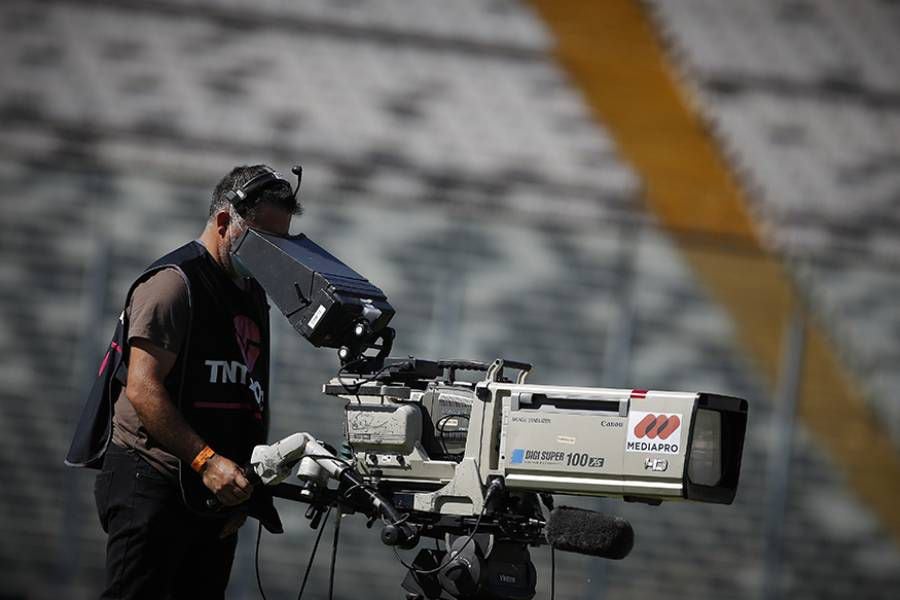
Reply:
x=658 y=433
x=657 y=426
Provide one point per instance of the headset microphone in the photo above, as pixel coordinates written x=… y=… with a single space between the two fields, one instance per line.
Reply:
x=298 y=171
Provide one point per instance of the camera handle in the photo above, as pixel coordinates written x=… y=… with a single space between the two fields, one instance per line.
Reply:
x=270 y=465
x=494 y=370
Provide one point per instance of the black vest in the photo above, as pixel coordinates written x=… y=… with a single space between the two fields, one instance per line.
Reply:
x=219 y=382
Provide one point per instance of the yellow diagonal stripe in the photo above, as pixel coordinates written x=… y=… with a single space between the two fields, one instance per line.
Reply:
x=612 y=52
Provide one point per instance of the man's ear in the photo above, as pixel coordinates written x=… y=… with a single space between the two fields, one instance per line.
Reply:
x=222 y=221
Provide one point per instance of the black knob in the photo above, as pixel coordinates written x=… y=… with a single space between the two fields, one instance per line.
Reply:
x=390 y=535
x=399 y=535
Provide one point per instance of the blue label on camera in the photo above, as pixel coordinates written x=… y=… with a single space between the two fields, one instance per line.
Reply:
x=518 y=456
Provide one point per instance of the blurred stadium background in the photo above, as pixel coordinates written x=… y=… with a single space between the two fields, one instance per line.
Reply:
x=675 y=194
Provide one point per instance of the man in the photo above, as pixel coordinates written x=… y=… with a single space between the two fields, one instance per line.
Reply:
x=192 y=350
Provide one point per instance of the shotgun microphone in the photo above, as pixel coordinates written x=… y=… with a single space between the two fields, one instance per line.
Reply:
x=589 y=532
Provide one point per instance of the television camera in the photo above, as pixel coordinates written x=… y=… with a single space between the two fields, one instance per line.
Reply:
x=434 y=452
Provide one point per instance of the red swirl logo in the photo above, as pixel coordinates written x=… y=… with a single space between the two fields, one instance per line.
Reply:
x=248 y=339
x=657 y=426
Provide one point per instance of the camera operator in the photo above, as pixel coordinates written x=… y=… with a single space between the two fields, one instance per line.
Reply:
x=194 y=338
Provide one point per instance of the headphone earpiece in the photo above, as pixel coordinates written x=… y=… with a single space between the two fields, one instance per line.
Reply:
x=247 y=193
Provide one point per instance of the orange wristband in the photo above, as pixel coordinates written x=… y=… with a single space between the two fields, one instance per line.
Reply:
x=200 y=460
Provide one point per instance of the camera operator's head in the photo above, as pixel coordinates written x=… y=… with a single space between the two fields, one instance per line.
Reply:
x=268 y=210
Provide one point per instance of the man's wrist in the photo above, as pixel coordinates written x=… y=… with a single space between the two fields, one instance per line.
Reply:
x=199 y=462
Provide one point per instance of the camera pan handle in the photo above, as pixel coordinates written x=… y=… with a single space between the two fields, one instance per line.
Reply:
x=495 y=372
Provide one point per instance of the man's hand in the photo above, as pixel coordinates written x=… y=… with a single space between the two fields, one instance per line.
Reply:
x=226 y=480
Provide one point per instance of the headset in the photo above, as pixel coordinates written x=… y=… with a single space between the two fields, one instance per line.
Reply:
x=243 y=198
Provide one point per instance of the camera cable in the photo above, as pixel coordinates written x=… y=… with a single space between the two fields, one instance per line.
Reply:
x=352 y=389
x=334 y=548
x=492 y=489
x=312 y=555
x=552 y=573
x=345 y=385
x=442 y=422
x=259 y=584
x=344 y=495
x=450 y=555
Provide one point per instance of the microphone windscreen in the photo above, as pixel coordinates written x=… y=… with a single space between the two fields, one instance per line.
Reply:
x=589 y=532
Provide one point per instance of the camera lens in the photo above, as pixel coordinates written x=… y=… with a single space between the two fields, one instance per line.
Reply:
x=705 y=466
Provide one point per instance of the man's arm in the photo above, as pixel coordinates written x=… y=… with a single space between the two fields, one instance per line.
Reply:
x=148 y=367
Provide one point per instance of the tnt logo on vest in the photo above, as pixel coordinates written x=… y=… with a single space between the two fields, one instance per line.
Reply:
x=658 y=433
x=224 y=371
